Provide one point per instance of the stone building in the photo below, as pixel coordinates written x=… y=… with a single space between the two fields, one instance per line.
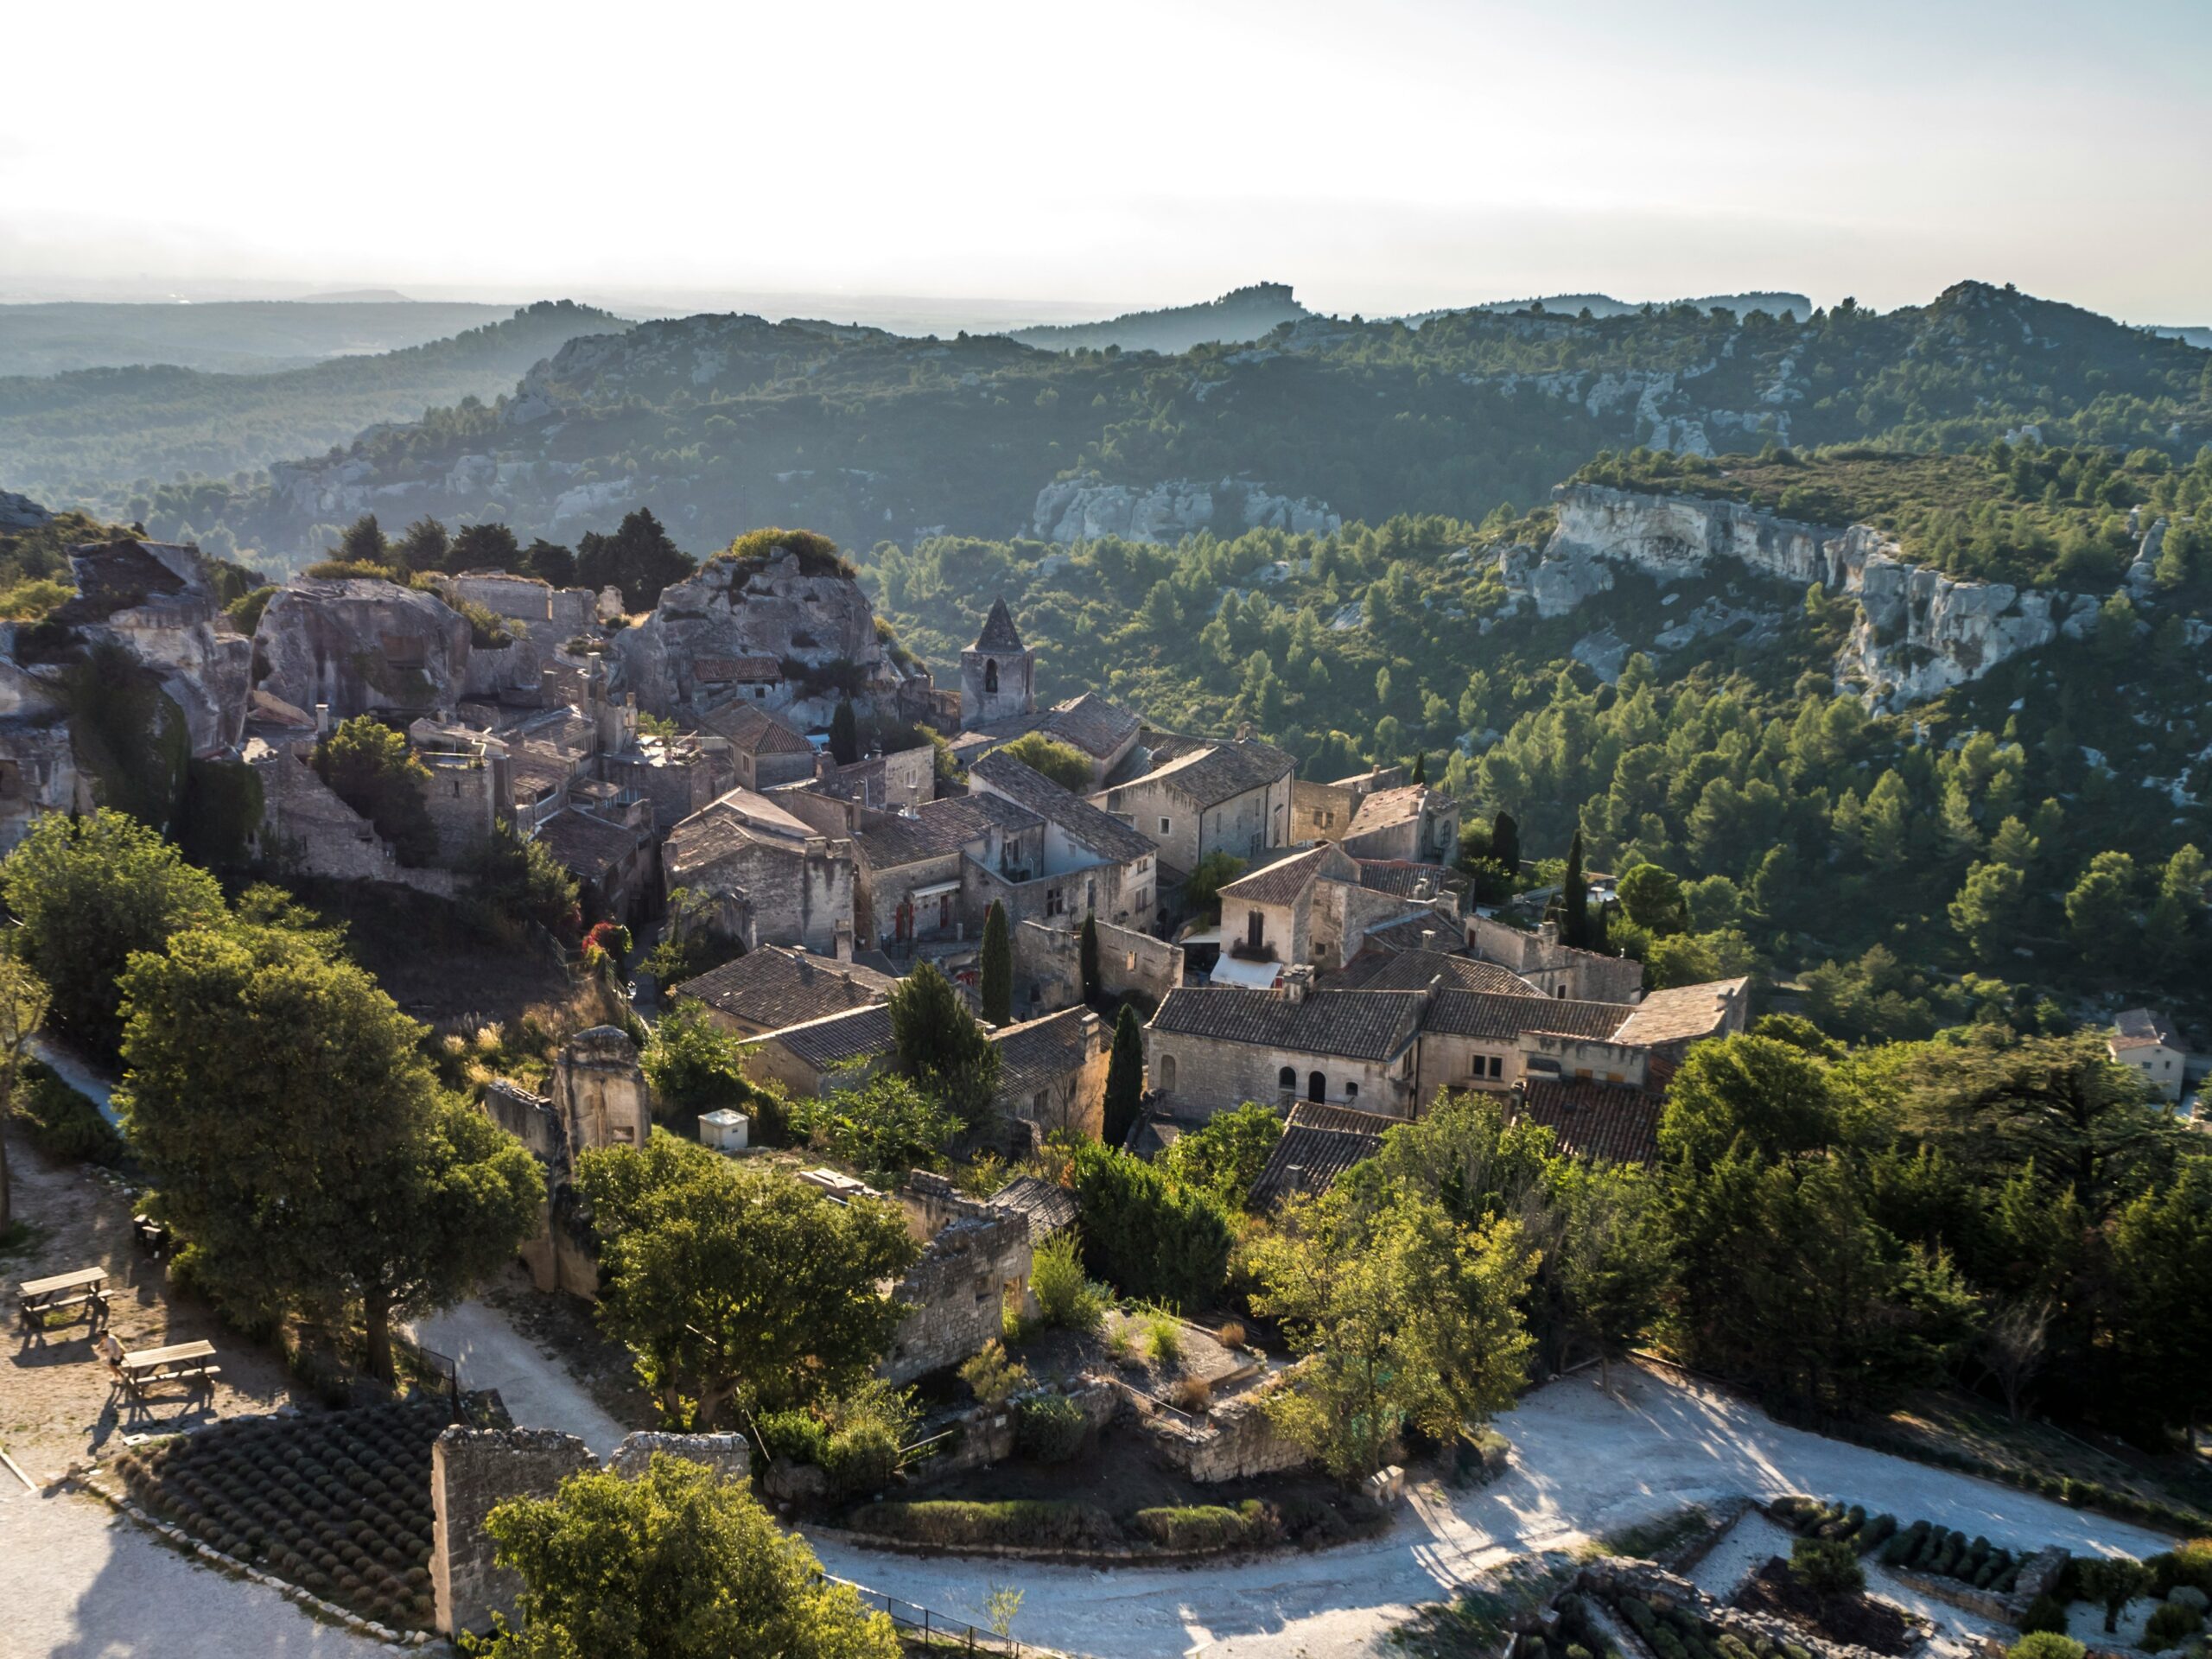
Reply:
x=821 y=1056
x=677 y=775
x=974 y=1267
x=767 y=989
x=1555 y=969
x=1048 y=965
x=773 y=877
x=307 y=829
x=1316 y=907
x=612 y=852
x=1325 y=811
x=1053 y=1071
x=763 y=751
x=998 y=673
x=1317 y=1144
x=1214 y=1047
x=897 y=782
x=1413 y=822
x=1090 y=863
x=1101 y=732
x=2146 y=1044
x=1203 y=798
x=912 y=871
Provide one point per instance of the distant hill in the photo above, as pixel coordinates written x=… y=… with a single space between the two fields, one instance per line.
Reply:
x=2188 y=336
x=1605 y=305
x=1243 y=313
x=358 y=296
x=231 y=337
x=94 y=437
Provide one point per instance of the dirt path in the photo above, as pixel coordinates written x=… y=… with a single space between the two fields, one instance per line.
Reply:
x=538 y=1391
x=57 y=1405
x=1583 y=1465
x=77 y=1582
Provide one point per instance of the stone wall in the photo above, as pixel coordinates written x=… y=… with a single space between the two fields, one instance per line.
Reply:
x=1552 y=968
x=462 y=795
x=1049 y=961
x=958 y=1289
x=1237 y=1440
x=795 y=895
x=1209 y=1076
x=599 y=1093
x=305 y=827
x=473 y=1471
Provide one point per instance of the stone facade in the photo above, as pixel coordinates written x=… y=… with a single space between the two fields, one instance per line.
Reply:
x=464 y=799
x=1048 y=960
x=968 y=1272
x=1555 y=969
x=1199 y=1067
x=1185 y=811
x=998 y=673
x=773 y=879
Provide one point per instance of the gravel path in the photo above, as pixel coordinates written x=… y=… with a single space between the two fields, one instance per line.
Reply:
x=1583 y=1465
x=77 y=1582
x=537 y=1388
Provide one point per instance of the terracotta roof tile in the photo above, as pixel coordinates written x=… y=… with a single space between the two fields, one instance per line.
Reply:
x=1597 y=1121
x=1352 y=1025
x=774 y=987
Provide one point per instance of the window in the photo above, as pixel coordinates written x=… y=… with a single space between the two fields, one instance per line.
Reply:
x=990 y=676
x=1317 y=1088
x=1167 y=1072
x=1054 y=905
x=1036 y=1103
x=1352 y=1089
x=1255 y=930
x=1497 y=1065
x=759 y=692
x=1167 y=826
x=1287 y=1078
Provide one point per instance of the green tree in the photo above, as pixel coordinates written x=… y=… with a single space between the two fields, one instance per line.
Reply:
x=23 y=1003
x=549 y=562
x=87 y=893
x=362 y=542
x=2100 y=913
x=995 y=986
x=1406 y=1318
x=1147 y=1236
x=486 y=547
x=519 y=883
x=939 y=1046
x=639 y=558
x=370 y=768
x=1048 y=757
x=1094 y=990
x=676 y=1563
x=424 y=546
x=1575 y=900
x=696 y=1065
x=297 y=1141
x=1986 y=911
x=1124 y=1078
x=1654 y=900
x=1505 y=843
x=885 y=1127
x=844 y=734
x=1202 y=887
x=735 y=1283
x=1225 y=1157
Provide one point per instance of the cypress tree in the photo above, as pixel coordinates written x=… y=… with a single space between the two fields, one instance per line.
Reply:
x=1421 y=768
x=1092 y=990
x=997 y=974
x=1124 y=1078
x=844 y=734
x=1575 y=900
x=1505 y=843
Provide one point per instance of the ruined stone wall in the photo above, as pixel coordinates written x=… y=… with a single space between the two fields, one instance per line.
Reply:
x=1048 y=960
x=957 y=1291
x=1552 y=968
x=599 y=1093
x=1201 y=1076
x=796 y=897
x=1237 y=1440
x=307 y=828
x=473 y=1471
x=463 y=799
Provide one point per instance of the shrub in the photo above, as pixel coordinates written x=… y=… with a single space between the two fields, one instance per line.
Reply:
x=1014 y=1521
x=1194 y=1394
x=1050 y=1428
x=2171 y=1622
x=2188 y=1595
x=2047 y=1644
x=1146 y=1237
x=993 y=1377
x=1163 y=1338
x=1210 y=1526
x=1067 y=1298
x=1828 y=1567
x=61 y=1122
x=1121 y=1347
x=2191 y=1564
x=1879 y=1532
x=1231 y=1334
x=799 y=1436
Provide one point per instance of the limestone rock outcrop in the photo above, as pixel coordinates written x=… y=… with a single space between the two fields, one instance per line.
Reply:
x=361 y=646
x=21 y=513
x=154 y=600
x=1084 y=509
x=798 y=612
x=1920 y=632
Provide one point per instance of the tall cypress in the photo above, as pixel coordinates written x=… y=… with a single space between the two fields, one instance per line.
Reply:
x=845 y=734
x=1093 y=991
x=1505 y=843
x=1124 y=1078
x=997 y=972
x=1575 y=900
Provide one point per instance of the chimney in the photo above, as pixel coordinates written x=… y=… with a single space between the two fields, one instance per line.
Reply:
x=844 y=946
x=1243 y=731
x=322 y=720
x=1428 y=938
x=1294 y=982
x=825 y=765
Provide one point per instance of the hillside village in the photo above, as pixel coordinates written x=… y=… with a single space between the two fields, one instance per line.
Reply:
x=1064 y=1033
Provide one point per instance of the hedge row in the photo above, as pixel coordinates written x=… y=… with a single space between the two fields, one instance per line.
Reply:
x=1949 y=1554
x=1047 y=1524
x=1682 y=1633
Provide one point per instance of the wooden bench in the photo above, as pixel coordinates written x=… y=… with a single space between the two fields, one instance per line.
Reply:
x=181 y=1362
x=86 y=1287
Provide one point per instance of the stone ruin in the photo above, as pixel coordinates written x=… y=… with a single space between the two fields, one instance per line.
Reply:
x=473 y=1471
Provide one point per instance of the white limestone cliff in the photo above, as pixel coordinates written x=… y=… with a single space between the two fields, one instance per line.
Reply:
x=1084 y=509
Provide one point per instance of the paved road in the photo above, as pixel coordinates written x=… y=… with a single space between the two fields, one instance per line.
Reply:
x=1584 y=1465
x=77 y=1582
x=537 y=1388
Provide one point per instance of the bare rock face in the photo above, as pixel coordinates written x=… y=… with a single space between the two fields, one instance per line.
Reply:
x=1084 y=509
x=1920 y=632
x=154 y=600
x=21 y=513
x=805 y=614
x=361 y=646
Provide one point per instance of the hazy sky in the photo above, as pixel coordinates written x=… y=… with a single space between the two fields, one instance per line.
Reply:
x=1382 y=155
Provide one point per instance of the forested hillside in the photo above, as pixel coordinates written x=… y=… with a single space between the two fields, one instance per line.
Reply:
x=1241 y=313
x=224 y=337
x=714 y=421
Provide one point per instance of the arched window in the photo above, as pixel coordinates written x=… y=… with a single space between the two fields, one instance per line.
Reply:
x=990 y=676
x=1167 y=1072
x=1317 y=1088
x=1287 y=1078
x=1351 y=1091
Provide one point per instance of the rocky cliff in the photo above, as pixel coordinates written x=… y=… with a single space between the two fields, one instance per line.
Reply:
x=1084 y=509
x=1919 y=633
x=361 y=646
x=806 y=614
x=154 y=600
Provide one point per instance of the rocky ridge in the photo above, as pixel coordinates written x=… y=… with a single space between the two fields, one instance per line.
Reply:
x=1920 y=632
x=1086 y=508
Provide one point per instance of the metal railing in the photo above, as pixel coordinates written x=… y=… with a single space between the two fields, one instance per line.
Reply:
x=936 y=1630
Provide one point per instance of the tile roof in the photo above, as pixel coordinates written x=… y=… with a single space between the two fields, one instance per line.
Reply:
x=1594 y=1120
x=1411 y=970
x=1500 y=1016
x=939 y=829
x=1047 y=1208
x=1681 y=1015
x=1091 y=723
x=589 y=845
x=2141 y=1028
x=1318 y=1143
x=1038 y=1053
x=1388 y=806
x=1219 y=772
x=753 y=730
x=536 y=770
x=730 y=822
x=999 y=633
x=1102 y=832
x=1392 y=937
x=1403 y=877
x=1351 y=1025
x=774 y=986
x=838 y=1038
x=1280 y=882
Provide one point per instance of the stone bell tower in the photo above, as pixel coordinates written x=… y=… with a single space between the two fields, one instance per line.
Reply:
x=998 y=673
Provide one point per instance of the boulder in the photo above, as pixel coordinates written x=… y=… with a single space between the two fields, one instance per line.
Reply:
x=21 y=513
x=361 y=646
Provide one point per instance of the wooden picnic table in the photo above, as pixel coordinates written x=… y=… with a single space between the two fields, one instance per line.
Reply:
x=86 y=1287
x=177 y=1362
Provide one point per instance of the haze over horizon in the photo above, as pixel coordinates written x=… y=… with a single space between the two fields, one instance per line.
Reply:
x=1436 y=155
